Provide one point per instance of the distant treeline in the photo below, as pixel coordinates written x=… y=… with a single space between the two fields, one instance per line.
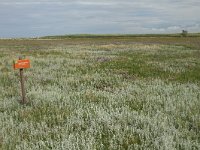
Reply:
x=118 y=35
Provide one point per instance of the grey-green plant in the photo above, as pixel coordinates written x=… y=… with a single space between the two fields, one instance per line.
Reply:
x=102 y=96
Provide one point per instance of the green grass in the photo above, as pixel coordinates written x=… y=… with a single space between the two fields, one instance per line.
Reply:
x=112 y=93
x=136 y=64
x=117 y=35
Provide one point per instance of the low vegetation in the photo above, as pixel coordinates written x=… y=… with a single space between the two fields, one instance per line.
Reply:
x=105 y=93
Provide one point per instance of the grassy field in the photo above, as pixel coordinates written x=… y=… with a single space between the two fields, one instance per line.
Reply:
x=102 y=93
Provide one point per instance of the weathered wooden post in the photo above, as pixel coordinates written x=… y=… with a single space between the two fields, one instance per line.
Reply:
x=21 y=73
x=21 y=64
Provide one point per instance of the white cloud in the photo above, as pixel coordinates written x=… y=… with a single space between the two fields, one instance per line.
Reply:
x=97 y=16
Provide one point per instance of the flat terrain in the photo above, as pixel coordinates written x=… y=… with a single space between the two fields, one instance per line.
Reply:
x=102 y=93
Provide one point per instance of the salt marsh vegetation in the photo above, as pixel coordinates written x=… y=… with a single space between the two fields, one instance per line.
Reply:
x=101 y=96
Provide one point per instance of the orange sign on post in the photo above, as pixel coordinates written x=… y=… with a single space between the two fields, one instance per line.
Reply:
x=22 y=64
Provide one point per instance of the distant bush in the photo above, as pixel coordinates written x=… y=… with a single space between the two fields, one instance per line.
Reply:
x=184 y=33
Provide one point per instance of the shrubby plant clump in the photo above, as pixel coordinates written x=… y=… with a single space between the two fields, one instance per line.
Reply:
x=101 y=96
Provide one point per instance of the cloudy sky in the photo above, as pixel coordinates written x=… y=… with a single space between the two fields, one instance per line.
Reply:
x=31 y=18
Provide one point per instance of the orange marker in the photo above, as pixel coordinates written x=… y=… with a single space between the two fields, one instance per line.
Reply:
x=21 y=64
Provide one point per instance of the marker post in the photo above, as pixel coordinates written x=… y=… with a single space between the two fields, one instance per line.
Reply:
x=21 y=72
x=21 y=64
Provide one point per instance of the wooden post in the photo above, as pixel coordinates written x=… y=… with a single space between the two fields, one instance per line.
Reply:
x=22 y=64
x=21 y=72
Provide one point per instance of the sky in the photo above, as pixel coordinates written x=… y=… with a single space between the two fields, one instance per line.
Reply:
x=34 y=18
